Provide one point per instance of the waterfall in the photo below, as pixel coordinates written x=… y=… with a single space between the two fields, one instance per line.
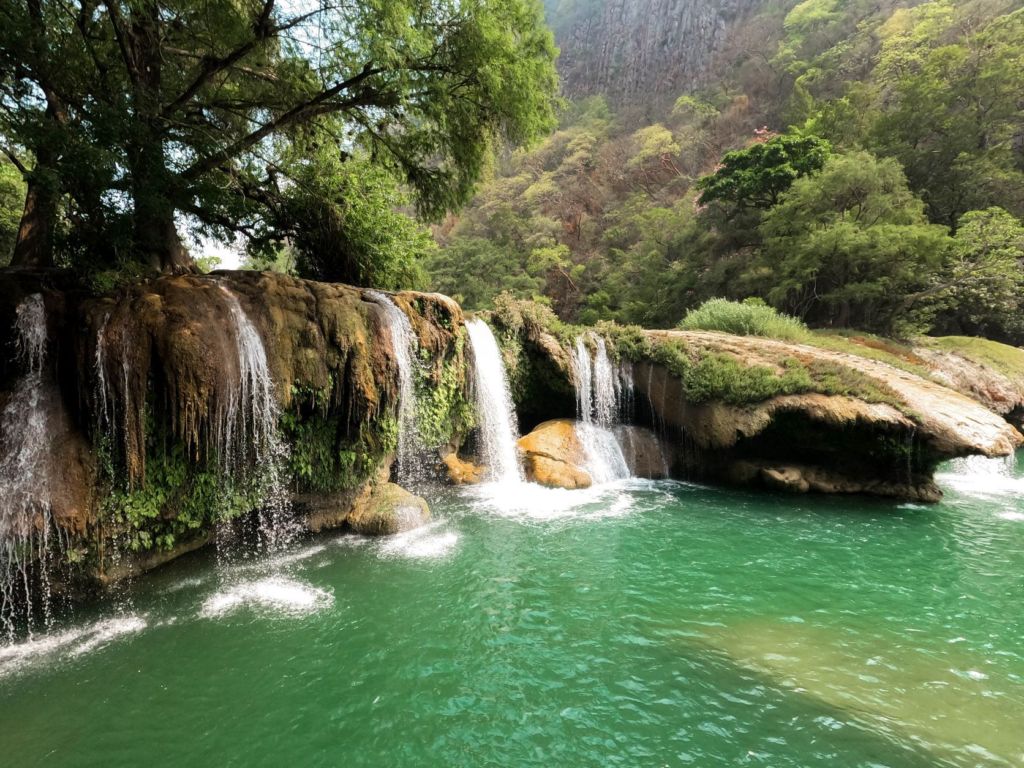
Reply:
x=584 y=380
x=403 y=340
x=25 y=516
x=102 y=399
x=495 y=413
x=248 y=435
x=598 y=393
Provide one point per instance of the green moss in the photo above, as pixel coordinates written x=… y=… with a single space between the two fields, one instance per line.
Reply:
x=442 y=410
x=871 y=347
x=324 y=459
x=709 y=376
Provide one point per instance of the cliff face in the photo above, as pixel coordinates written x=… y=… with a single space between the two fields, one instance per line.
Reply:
x=631 y=49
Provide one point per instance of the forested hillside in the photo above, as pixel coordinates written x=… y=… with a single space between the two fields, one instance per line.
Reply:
x=854 y=163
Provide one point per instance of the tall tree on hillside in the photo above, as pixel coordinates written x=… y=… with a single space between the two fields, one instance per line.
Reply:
x=194 y=103
x=954 y=112
x=755 y=177
x=846 y=246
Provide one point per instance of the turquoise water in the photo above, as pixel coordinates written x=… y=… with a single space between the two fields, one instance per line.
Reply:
x=642 y=624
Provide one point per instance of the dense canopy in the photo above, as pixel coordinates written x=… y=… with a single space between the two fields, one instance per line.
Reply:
x=131 y=118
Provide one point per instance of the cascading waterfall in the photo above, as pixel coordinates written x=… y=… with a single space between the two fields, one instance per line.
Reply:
x=494 y=409
x=598 y=404
x=248 y=435
x=403 y=340
x=25 y=515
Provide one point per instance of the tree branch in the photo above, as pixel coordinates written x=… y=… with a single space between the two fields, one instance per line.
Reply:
x=317 y=105
x=211 y=66
x=114 y=13
x=14 y=160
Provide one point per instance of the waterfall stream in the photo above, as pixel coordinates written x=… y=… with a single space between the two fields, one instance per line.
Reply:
x=403 y=340
x=248 y=437
x=495 y=412
x=598 y=404
x=25 y=516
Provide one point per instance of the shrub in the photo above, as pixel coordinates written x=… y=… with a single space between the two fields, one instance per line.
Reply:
x=752 y=317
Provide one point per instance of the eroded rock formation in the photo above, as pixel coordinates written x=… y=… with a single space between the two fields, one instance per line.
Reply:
x=173 y=405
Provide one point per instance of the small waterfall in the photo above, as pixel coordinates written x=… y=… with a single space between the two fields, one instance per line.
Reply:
x=598 y=404
x=248 y=432
x=627 y=392
x=102 y=399
x=25 y=515
x=584 y=381
x=606 y=386
x=495 y=413
x=403 y=340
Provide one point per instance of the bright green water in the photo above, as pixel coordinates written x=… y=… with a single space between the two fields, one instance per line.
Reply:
x=655 y=625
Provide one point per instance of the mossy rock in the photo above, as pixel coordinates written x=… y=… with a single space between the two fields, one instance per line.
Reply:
x=388 y=510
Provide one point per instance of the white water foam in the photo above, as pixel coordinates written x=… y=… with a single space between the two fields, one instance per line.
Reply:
x=70 y=643
x=532 y=502
x=275 y=595
x=980 y=477
x=425 y=542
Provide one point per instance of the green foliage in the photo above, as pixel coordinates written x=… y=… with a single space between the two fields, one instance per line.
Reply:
x=847 y=246
x=645 y=227
x=216 y=111
x=723 y=378
x=442 y=410
x=12 y=201
x=324 y=458
x=981 y=289
x=343 y=221
x=756 y=176
x=953 y=110
x=176 y=497
x=751 y=317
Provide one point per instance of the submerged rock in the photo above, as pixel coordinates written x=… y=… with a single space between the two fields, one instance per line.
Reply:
x=554 y=456
x=387 y=510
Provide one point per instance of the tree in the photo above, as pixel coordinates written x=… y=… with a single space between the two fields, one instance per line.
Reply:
x=980 y=291
x=194 y=105
x=12 y=198
x=755 y=177
x=344 y=222
x=847 y=246
x=954 y=114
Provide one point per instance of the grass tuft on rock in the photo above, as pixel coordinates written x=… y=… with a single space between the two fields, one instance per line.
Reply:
x=751 y=317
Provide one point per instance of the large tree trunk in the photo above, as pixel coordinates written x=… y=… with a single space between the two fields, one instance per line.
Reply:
x=153 y=185
x=34 y=246
x=155 y=234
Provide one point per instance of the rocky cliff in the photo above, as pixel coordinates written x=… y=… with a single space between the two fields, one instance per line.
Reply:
x=796 y=417
x=632 y=49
